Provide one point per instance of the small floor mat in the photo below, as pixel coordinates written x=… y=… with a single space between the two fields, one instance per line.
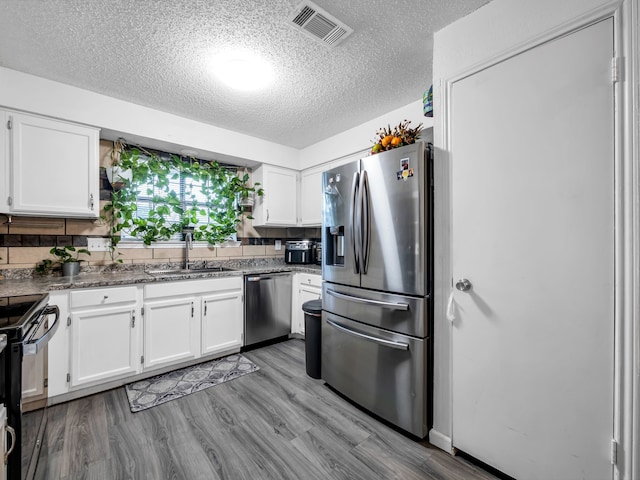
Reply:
x=169 y=386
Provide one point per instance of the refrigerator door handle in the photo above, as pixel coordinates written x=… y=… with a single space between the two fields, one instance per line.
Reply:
x=366 y=301
x=370 y=338
x=354 y=216
x=366 y=221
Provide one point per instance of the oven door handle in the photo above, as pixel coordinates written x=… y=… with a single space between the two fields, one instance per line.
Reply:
x=12 y=434
x=32 y=347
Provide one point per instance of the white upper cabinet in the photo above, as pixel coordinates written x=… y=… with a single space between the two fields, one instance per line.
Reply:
x=277 y=207
x=50 y=167
x=310 y=201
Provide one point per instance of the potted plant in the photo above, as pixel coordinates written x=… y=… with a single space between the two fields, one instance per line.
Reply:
x=118 y=177
x=245 y=194
x=67 y=257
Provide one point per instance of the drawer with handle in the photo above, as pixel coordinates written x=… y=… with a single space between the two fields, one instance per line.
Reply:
x=102 y=296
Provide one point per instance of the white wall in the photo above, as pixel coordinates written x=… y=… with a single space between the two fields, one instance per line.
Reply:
x=486 y=34
x=157 y=129
x=134 y=122
x=360 y=137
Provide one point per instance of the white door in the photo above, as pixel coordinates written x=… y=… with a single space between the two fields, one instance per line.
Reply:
x=532 y=152
x=222 y=322
x=171 y=331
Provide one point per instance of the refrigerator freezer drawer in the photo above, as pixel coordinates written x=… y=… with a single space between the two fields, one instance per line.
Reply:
x=384 y=372
x=398 y=313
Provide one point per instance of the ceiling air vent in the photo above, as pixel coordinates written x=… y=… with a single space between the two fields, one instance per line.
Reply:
x=318 y=24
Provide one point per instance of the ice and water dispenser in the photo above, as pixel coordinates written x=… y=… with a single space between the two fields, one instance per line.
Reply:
x=333 y=235
x=335 y=246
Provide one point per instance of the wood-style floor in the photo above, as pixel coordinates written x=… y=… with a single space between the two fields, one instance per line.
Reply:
x=276 y=423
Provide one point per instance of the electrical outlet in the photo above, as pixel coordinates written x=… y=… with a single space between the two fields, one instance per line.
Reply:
x=98 y=244
x=278 y=245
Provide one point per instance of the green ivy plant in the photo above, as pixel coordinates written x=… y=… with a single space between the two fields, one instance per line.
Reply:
x=219 y=185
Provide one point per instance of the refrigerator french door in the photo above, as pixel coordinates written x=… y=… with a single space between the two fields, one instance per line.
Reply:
x=377 y=272
x=376 y=222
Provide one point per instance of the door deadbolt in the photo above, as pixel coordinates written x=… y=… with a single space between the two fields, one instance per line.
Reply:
x=463 y=285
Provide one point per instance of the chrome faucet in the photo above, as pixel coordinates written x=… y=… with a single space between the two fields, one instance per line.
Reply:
x=188 y=245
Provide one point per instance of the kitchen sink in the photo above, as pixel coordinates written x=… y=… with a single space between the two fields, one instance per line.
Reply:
x=183 y=271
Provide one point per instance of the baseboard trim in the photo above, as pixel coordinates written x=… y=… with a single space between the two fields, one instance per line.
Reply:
x=440 y=440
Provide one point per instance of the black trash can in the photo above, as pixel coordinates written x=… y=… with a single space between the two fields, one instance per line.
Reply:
x=312 y=336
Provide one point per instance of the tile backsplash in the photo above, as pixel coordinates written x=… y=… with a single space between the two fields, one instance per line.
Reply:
x=27 y=241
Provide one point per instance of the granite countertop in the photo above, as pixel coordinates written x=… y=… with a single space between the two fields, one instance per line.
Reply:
x=44 y=284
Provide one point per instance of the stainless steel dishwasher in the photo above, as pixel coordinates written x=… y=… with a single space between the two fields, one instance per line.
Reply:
x=267 y=306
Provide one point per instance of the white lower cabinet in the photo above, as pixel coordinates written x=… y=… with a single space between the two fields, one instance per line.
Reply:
x=108 y=335
x=33 y=372
x=58 y=348
x=306 y=287
x=171 y=331
x=104 y=335
x=187 y=319
x=222 y=321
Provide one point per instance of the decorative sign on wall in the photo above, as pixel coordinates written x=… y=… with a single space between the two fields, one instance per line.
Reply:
x=427 y=102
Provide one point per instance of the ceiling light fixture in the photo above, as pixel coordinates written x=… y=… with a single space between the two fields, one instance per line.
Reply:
x=242 y=70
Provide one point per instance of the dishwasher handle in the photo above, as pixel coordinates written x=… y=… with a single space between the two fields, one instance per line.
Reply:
x=269 y=276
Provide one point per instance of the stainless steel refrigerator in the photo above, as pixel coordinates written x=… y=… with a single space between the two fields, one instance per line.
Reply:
x=377 y=284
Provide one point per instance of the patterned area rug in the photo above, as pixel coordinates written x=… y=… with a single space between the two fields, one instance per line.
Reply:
x=169 y=386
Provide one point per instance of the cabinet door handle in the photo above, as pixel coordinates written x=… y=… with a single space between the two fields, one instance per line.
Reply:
x=192 y=309
x=133 y=318
x=205 y=309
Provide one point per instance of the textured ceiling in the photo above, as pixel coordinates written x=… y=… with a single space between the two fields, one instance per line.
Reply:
x=155 y=53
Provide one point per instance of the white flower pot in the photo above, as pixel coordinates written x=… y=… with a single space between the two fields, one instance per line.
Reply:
x=245 y=201
x=117 y=176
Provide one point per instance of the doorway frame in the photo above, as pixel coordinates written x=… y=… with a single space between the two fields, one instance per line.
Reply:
x=626 y=414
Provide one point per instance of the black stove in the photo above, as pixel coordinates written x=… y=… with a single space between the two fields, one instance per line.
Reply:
x=24 y=320
x=18 y=314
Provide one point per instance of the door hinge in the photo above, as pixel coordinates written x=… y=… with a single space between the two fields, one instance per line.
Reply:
x=192 y=309
x=68 y=377
x=142 y=311
x=69 y=321
x=614 y=452
x=46 y=382
x=133 y=319
x=9 y=201
x=616 y=69
x=205 y=308
x=142 y=359
x=10 y=123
